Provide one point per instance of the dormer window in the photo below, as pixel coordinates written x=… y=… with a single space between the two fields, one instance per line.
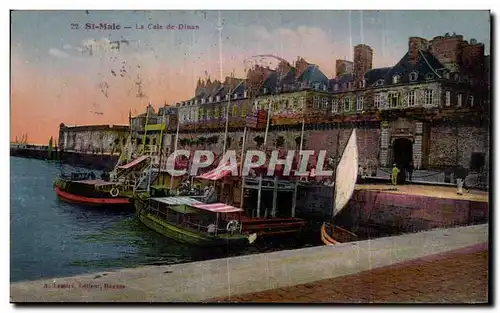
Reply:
x=429 y=76
x=335 y=87
x=227 y=97
x=211 y=99
x=446 y=75
x=362 y=83
x=196 y=102
x=202 y=100
x=324 y=87
x=245 y=94
x=396 y=79
x=316 y=86
x=456 y=76
x=344 y=86
x=191 y=102
x=217 y=98
x=413 y=76
x=380 y=82
x=265 y=90
x=235 y=96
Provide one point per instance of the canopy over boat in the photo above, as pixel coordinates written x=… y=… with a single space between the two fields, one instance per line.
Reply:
x=177 y=200
x=217 y=208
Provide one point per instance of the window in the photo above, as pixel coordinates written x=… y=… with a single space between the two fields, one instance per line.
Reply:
x=429 y=96
x=413 y=76
x=217 y=98
x=243 y=110
x=324 y=87
x=276 y=106
x=234 y=111
x=411 y=98
x=396 y=79
x=459 y=100
x=471 y=101
x=393 y=99
x=359 y=103
x=447 y=101
x=345 y=104
x=245 y=93
x=209 y=114
x=196 y=101
x=211 y=99
x=362 y=84
x=324 y=103
x=351 y=104
x=227 y=97
x=216 y=112
x=350 y=85
x=201 y=114
x=429 y=76
x=456 y=76
x=302 y=102
x=336 y=87
x=202 y=100
x=235 y=96
x=265 y=90
x=316 y=86
x=446 y=75
x=223 y=112
x=315 y=102
x=335 y=104
x=344 y=86
x=378 y=101
x=380 y=82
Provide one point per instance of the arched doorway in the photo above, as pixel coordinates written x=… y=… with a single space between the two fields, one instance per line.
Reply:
x=402 y=152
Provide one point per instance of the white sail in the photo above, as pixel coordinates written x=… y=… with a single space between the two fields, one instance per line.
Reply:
x=346 y=175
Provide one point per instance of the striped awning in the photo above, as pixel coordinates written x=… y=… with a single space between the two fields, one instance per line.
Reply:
x=134 y=162
x=219 y=172
x=177 y=200
x=217 y=207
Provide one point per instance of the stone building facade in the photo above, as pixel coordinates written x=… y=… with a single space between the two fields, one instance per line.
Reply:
x=93 y=139
x=430 y=108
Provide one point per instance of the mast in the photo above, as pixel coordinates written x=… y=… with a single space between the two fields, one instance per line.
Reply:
x=145 y=128
x=259 y=192
x=242 y=196
x=294 y=203
x=160 y=150
x=175 y=146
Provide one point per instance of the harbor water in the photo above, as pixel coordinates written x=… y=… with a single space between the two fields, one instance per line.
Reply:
x=51 y=238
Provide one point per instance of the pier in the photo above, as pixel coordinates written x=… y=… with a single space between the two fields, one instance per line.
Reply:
x=227 y=279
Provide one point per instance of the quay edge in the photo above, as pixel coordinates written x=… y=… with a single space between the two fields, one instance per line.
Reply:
x=201 y=281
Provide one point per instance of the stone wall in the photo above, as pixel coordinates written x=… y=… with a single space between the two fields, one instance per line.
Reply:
x=368 y=141
x=98 y=139
x=445 y=141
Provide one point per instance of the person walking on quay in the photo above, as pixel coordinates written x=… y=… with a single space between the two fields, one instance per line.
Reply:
x=410 y=171
x=394 y=176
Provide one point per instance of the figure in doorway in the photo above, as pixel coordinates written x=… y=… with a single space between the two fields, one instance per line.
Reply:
x=410 y=171
x=395 y=172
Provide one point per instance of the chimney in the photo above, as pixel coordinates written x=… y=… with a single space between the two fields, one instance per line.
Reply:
x=363 y=57
x=300 y=66
x=415 y=44
x=343 y=67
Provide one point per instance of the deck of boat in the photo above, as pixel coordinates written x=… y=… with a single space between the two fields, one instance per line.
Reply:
x=428 y=190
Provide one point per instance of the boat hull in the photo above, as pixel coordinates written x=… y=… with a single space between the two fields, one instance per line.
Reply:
x=185 y=235
x=76 y=198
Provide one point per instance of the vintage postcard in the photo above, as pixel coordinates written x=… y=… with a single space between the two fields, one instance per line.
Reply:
x=227 y=156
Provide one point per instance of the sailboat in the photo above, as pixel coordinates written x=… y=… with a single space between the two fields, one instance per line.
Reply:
x=345 y=182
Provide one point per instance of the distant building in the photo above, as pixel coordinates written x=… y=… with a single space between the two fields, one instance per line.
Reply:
x=430 y=108
x=94 y=139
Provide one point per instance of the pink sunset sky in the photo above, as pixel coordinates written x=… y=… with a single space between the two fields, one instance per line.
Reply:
x=55 y=79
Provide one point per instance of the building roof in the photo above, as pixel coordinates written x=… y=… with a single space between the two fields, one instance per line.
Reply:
x=313 y=74
x=425 y=65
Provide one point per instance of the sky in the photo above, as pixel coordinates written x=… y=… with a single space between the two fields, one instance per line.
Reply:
x=62 y=72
